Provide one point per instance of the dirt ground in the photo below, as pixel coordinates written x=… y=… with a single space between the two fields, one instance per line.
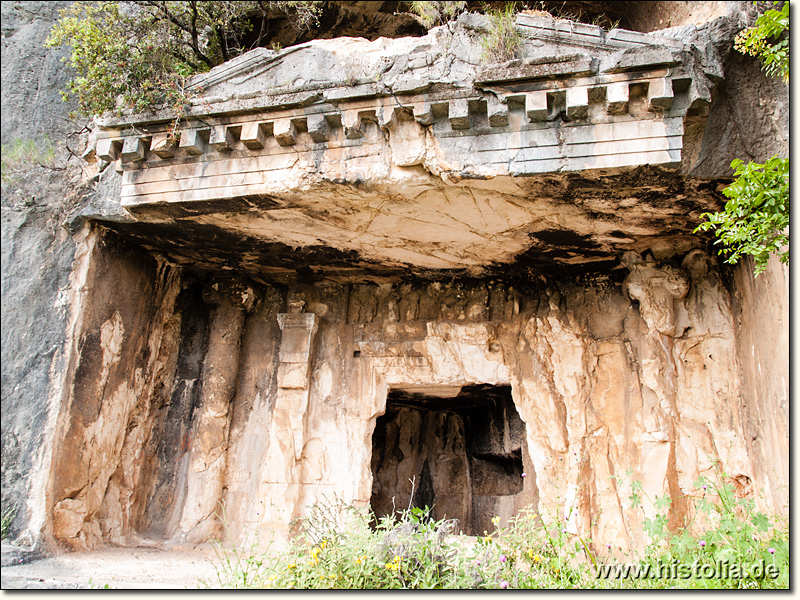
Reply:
x=119 y=568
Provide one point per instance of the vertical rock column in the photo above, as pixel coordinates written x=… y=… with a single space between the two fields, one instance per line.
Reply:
x=207 y=459
x=287 y=434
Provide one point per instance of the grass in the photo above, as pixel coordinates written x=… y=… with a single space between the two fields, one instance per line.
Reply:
x=347 y=548
x=20 y=155
x=6 y=519
x=502 y=42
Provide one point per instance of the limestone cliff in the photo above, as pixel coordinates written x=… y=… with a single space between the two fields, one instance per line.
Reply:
x=370 y=262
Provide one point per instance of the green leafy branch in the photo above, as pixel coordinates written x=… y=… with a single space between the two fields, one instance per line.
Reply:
x=767 y=41
x=756 y=218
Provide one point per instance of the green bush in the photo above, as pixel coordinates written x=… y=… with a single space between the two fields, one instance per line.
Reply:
x=755 y=220
x=137 y=55
x=350 y=549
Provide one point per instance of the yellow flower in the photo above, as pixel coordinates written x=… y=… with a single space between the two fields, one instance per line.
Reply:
x=394 y=565
x=292 y=566
x=323 y=544
x=495 y=520
x=361 y=559
x=315 y=552
x=537 y=558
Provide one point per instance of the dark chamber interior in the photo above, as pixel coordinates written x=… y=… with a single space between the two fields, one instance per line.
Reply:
x=464 y=454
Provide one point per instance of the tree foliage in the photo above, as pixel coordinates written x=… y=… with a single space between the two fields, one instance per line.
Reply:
x=755 y=220
x=138 y=54
x=767 y=41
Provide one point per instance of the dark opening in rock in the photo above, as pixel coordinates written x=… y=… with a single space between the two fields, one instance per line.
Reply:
x=457 y=451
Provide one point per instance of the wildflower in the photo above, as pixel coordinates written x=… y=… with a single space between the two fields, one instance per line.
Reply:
x=488 y=538
x=394 y=565
x=608 y=546
x=524 y=475
x=537 y=558
x=771 y=550
x=504 y=584
x=495 y=520
x=503 y=558
x=292 y=566
x=361 y=559
x=702 y=543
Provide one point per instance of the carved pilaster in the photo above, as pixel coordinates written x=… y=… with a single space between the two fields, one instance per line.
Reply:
x=298 y=330
x=231 y=301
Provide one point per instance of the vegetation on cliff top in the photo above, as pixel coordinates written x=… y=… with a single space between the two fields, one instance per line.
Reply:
x=138 y=55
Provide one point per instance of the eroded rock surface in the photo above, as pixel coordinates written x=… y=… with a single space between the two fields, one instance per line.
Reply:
x=369 y=262
x=612 y=383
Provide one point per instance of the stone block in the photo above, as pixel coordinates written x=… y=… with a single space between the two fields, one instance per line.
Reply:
x=577 y=102
x=351 y=122
x=163 y=146
x=459 y=113
x=498 y=112
x=134 y=149
x=108 y=149
x=574 y=66
x=632 y=59
x=536 y=105
x=423 y=113
x=194 y=141
x=617 y=95
x=410 y=85
x=318 y=128
x=221 y=138
x=285 y=132
x=254 y=134
x=298 y=331
x=659 y=94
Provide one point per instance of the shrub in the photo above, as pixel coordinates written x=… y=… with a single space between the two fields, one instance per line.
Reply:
x=347 y=548
x=755 y=220
x=137 y=55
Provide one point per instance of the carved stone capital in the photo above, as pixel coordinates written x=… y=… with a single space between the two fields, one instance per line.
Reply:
x=237 y=293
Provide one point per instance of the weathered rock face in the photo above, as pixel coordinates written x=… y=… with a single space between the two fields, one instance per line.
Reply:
x=37 y=257
x=454 y=285
x=460 y=387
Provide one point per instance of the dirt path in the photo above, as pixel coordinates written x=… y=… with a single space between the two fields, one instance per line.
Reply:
x=121 y=568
